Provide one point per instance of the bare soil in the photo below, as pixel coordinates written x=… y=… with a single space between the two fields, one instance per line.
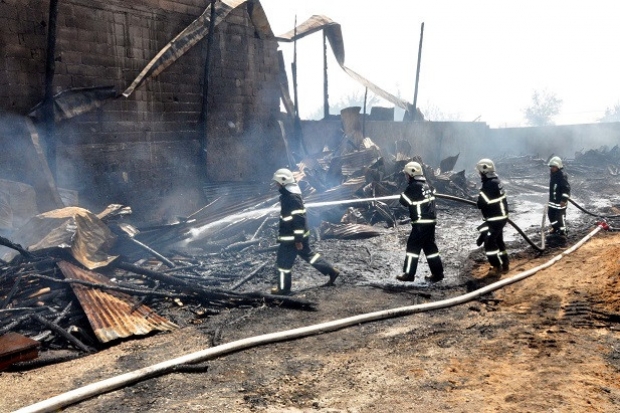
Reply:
x=549 y=343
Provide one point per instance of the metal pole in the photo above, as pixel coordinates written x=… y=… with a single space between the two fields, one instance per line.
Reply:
x=364 y=114
x=417 y=75
x=48 y=100
x=297 y=122
x=325 y=90
x=205 y=91
x=294 y=70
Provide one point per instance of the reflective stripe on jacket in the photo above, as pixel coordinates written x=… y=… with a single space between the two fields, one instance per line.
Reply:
x=420 y=199
x=293 y=226
x=492 y=200
x=559 y=189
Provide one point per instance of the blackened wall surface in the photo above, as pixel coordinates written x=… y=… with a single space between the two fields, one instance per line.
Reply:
x=143 y=149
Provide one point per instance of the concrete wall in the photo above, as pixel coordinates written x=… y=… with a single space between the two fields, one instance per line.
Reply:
x=145 y=148
x=563 y=141
x=434 y=141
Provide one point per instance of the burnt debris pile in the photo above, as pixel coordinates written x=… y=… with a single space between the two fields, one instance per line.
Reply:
x=73 y=282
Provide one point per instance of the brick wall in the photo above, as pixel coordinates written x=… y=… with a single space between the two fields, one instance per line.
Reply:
x=143 y=149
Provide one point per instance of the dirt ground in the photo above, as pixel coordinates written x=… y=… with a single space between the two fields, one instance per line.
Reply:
x=549 y=343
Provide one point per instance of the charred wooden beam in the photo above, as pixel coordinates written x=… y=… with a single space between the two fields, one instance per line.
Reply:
x=151 y=251
x=11 y=293
x=128 y=290
x=55 y=327
x=248 y=277
x=224 y=297
x=240 y=245
x=7 y=243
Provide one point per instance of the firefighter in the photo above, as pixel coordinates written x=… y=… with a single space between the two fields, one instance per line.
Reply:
x=419 y=198
x=494 y=208
x=559 y=193
x=293 y=235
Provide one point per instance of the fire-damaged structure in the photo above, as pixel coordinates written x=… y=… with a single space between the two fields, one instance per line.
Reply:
x=77 y=280
x=132 y=122
x=142 y=181
x=88 y=278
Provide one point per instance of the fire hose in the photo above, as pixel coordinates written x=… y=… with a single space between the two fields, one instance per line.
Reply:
x=590 y=213
x=519 y=230
x=113 y=383
x=443 y=196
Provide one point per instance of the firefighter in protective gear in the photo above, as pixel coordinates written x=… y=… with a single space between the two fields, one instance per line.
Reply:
x=494 y=208
x=559 y=193
x=420 y=199
x=293 y=235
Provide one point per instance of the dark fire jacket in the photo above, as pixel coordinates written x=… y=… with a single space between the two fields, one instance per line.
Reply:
x=293 y=226
x=420 y=199
x=559 y=189
x=492 y=199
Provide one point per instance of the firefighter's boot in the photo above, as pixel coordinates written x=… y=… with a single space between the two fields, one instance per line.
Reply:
x=332 y=277
x=494 y=272
x=406 y=277
x=284 y=281
x=434 y=278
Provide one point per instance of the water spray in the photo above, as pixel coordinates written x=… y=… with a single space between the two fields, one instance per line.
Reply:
x=197 y=233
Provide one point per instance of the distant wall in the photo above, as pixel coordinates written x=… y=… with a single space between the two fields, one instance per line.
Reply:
x=434 y=141
x=145 y=148
x=563 y=141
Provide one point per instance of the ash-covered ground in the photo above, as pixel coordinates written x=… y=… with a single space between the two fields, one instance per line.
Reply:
x=378 y=260
x=546 y=344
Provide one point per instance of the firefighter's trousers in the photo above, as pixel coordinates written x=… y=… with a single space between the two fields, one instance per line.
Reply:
x=557 y=219
x=422 y=238
x=286 y=258
x=494 y=245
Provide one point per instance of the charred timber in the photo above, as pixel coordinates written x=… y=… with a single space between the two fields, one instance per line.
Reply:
x=223 y=297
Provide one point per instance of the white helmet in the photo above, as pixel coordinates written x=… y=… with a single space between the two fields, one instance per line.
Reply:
x=556 y=161
x=283 y=176
x=485 y=166
x=413 y=169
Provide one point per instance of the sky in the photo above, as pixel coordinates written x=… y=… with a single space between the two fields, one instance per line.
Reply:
x=481 y=59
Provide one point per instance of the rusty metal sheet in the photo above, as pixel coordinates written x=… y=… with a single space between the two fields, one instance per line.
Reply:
x=15 y=348
x=110 y=312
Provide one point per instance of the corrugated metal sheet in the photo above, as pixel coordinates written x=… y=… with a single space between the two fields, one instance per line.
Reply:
x=345 y=191
x=350 y=231
x=109 y=312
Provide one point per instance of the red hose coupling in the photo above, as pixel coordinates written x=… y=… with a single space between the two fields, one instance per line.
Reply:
x=603 y=224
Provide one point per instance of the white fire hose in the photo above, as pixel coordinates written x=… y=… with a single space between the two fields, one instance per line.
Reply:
x=113 y=383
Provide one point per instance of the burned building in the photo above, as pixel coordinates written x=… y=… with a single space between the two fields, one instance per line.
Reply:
x=127 y=80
